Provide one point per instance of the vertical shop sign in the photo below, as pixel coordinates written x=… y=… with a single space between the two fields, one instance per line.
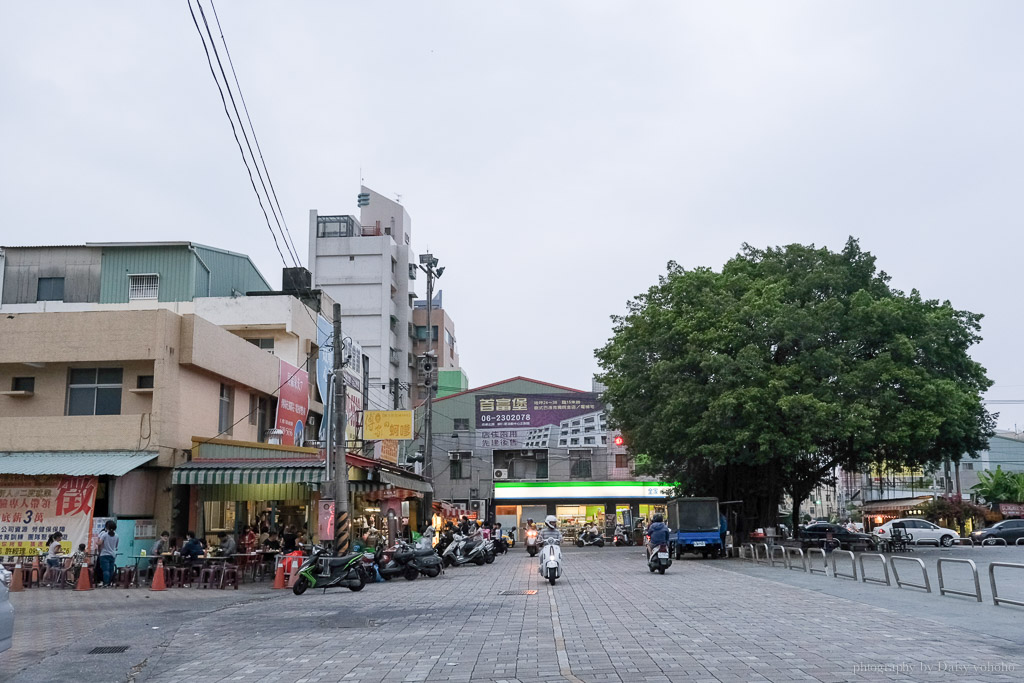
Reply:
x=292 y=404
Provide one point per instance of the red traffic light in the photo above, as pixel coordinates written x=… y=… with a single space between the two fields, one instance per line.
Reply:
x=618 y=440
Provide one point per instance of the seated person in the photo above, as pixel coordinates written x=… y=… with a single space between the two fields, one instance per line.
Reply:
x=272 y=542
x=227 y=544
x=192 y=548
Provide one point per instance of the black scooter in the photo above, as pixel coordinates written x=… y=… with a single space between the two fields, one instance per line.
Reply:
x=322 y=570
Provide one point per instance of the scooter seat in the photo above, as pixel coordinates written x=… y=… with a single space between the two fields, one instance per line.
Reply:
x=402 y=557
x=424 y=552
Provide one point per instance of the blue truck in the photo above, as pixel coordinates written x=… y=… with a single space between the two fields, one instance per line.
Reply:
x=696 y=527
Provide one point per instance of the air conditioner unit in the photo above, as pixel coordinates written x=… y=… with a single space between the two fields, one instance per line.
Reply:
x=478 y=506
x=500 y=474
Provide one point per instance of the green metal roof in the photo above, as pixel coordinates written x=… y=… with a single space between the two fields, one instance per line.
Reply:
x=73 y=463
x=254 y=472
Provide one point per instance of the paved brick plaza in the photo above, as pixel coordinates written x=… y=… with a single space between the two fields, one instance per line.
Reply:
x=607 y=620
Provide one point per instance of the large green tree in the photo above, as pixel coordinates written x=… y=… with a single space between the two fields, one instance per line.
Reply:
x=765 y=377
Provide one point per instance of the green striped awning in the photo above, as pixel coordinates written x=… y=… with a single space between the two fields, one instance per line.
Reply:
x=281 y=472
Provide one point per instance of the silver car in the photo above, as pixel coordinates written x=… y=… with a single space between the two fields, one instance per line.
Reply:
x=6 y=611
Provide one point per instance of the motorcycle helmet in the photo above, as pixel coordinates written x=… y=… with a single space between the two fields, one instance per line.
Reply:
x=551 y=521
x=529 y=520
x=658 y=518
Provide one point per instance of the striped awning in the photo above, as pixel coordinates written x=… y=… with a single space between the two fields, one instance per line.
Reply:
x=279 y=472
x=402 y=481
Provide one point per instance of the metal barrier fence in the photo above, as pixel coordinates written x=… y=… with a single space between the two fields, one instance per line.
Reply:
x=992 y=581
x=810 y=562
x=927 y=585
x=927 y=541
x=784 y=558
x=974 y=571
x=753 y=553
x=757 y=555
x=961 y=541
x=864 y=578
x=1020 y=541
x=803 y=559
x=853 y=565
x=994 y=541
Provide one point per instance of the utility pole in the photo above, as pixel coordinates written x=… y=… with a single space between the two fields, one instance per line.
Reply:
x=428 y=264
x=342 y=522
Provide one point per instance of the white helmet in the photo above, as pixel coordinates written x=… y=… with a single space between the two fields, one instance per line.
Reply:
x=551 y=521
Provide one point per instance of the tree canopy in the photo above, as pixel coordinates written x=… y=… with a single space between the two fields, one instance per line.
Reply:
x=792 y=361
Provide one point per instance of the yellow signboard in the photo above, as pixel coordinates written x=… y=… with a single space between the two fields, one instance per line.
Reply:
x=387 y=424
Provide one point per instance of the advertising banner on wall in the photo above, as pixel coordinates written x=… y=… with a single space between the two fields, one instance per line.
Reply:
x=536 y=420
x=292 y=404
x=33 y=507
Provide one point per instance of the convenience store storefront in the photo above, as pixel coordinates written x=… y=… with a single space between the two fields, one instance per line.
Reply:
x=578 y=503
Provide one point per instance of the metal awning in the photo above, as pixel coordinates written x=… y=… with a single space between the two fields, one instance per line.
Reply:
x=264 y=472
x=73 y=463
x=403 y=482
x=894 y=504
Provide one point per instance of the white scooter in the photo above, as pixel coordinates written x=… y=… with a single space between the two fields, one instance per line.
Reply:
x=551 y=559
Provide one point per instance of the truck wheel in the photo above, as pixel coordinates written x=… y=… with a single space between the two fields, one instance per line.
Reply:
x=679 y=552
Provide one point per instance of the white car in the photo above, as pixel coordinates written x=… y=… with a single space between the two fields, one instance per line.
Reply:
x=919 y=530
x=6 y=611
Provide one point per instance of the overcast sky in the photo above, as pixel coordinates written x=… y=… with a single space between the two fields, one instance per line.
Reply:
x=553 y=155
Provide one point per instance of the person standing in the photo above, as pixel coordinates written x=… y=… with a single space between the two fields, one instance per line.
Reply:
x=107 y=546
x=723 y=529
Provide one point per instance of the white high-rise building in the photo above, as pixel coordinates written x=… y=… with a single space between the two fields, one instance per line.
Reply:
x=366 y=266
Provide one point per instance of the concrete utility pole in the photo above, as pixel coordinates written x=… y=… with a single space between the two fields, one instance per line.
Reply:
x=342 y=522
x=428 y=264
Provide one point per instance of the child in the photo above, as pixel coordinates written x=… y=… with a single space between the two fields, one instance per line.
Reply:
x=78 y=560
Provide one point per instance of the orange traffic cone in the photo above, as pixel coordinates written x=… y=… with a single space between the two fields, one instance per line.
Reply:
x=35 y=571
x=279 y=576
x=84 y=584
x=158 y=577
x=17 y=581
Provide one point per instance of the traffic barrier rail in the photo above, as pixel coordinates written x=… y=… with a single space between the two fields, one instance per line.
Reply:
x=803 y=559
x=753 y=553
x=810 y=562
x=962 y=540
x=927 y=585
x=1020 y=541
x=757 y=555
x=864 y=578
x=974 y=571
x=995 y=541
x=772 y=556
x=927 y=541
x=853 y=565
x=992 y=581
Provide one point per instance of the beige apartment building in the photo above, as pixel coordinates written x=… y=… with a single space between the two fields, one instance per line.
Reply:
x=123 y=396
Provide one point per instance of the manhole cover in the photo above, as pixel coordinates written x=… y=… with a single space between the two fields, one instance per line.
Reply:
x=530 y=592
x=111 y=650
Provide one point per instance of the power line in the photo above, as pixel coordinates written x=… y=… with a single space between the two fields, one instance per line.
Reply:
x=245 y=108
x=234 y=132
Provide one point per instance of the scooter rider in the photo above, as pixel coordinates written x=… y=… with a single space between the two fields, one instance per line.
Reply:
x=550 y=529
x=657 y=532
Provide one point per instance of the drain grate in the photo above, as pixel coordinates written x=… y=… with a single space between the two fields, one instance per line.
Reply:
x=112 y=650
x=529 y=592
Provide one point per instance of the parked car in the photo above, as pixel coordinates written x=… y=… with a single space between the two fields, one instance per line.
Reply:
x=815 y=536
x=6 y=611
x=919 y=530
x=1008 y=529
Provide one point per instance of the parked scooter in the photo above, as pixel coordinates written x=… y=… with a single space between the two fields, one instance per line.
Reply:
x=531 y=542
x=551 y=560
x=426 y=561
x=621 y=537
x=321 y=570
x=463 y=550
x=392 y=562
x=590 y=538
x=658 y=558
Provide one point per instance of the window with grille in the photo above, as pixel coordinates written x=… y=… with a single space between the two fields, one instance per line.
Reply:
x=94 y=391
x=143 y=287
x=460 y=466
x=579 y=465
x=226 y=409
x=461 y=424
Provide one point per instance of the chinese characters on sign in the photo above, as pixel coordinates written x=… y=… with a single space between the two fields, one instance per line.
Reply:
x=511 y=421
x=32 y=508
x=292 y=404
x=387 y=424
